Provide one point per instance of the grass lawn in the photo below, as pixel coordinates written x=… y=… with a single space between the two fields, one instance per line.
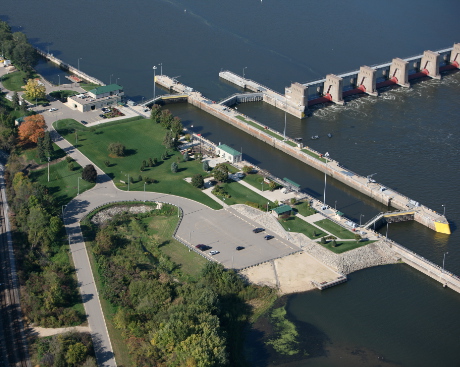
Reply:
x=31 y=154
x=63 y=183
x=256 y=180
x=294 y=224
x=89 y=86
x=257 y=126
x=240 y=194
x=34 y=101
x=335 y=229
x=304 y=209
x=14 y=81
x=314 y=155
x=343 y=246
x=143 y=140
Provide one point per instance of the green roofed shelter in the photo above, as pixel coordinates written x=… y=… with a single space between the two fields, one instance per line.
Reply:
x=106 y=91
x=228 y=153
x=282 y=209
x=340 y=214
x=292 y=183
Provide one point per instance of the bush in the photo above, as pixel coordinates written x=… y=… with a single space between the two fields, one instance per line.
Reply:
x=205 y=166
x=89 y=173
x=247 y=169
x=174 y=167
x=71 y=166
x=357 y=237
x=197 y=180
x=323 y=240
x=107 y=163
x=117 y=149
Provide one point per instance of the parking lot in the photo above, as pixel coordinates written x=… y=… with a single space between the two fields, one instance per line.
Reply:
x=223 y=231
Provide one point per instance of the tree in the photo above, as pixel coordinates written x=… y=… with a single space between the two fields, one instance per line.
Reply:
x=220 y=175
x=15 y=100
x=176 y=126
x=247 y=169
x=89 y=173
x=117 y=149
x=76 y=354
x=272 y=185
x=71 y=166
x=155 y=113
x=151 y=164
x=174 y=167
x=293 y=201
x=47 y=144
x=334 y=244
x=35 y=90
x=323 y=240
x=40 y=149
x=168 y=140
x=205 y=166
x=155 y=161
x=358 y=237
x=166 y=119
x=31 y=129
x=198 y=180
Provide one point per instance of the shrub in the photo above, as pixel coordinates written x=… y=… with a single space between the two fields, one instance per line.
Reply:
x=174 y=167
x=334 y=244
x=89 y=173
x=117 y=149
x=205 y=166
x=251 y=204
x=71 y=166
x=155 y=161
x=139 y=179
x=323 y=240
x=197 y=180
x=357 y=237
x=247 y=169
x=151 y=164
x=107 y=163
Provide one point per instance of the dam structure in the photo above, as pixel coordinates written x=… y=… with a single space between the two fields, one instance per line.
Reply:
x=331 y=167
x=333 y=88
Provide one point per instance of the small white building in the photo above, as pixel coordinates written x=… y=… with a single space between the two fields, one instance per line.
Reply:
x=96 y=98
x=229 y=154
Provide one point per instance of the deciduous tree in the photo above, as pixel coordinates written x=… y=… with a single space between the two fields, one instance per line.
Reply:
x=34 y=90
x=89 y=173
x=197 y=180
x=31 y=129
x=117 y=149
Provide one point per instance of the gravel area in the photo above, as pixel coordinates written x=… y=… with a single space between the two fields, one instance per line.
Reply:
x=107 y=214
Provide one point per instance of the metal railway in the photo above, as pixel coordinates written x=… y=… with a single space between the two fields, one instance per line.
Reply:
x=13 y=343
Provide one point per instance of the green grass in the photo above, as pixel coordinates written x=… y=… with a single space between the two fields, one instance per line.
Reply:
x=343 y=246
x=335 y=229
x=240 y=194
x=63 y=183
x=293 y=224
x=304 y=209
x=291 y=143
x=261 y=128
x=232 y=169
x=314 y=155
x=143 y=140
x=14 y=81
x=31 y=154
x=89 y=86
x=256 y=180
x=38 y=101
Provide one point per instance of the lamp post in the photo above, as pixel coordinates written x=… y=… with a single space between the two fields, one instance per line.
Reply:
x=111 y=78
x=128 y=181
x=142 y=100
x=244 y=70
x=117 y=80
x=335 y=205
x=63 y=211
x=444 y=260
x=268 y=203
x=79 y=178
x=262 y=185
x=444 y=209
x=48 y=169
x=285 y=124
x=161 y=68
x=80 y=58
x=59 y=76
x=144 y=191
x=325 y=178
x=387 y=231
x=154 y=76
x=360 y=216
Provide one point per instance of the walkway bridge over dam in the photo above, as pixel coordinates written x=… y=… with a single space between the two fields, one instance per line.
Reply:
x=367 y=80
x=390 y=217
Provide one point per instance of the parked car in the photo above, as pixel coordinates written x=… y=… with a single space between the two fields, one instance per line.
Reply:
x=258 y=230
x=268 y=237
x=201 y=247
x=239 y=248
x=214 y=252
x=45 y=104
x=52 y=109
x=84 y=122
x=212 y=183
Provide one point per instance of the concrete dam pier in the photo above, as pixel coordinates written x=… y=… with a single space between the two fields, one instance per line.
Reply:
x=331 y=167
x=367 y=80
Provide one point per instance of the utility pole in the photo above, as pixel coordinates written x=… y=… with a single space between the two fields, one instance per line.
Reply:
x=48 y=169
x=154 y=76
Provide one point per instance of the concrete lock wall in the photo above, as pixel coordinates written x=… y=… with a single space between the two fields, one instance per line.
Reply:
x=333 y=86
x=430 y=63
x=399 y=70
x=455 y=55
x=367 y=80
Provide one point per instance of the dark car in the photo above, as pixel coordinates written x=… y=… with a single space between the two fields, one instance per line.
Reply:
x=258 y=230
x=269 y=237
x=239 y=248
x=84 y=122
x=45 y=104
x=212 y=183
x=203 y=247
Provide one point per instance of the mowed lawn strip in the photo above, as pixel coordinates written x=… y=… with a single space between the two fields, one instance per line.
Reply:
x=343 y=246
x=256 y=180
x=293 y=224
x=240 y=194
x=143 y=140
x=14 y=81
x=63 y=184
x=335 y=229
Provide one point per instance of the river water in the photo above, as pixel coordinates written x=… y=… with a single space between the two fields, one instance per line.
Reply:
x=410 y=138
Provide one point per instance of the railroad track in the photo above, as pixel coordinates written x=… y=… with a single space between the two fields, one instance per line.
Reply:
x=13 y=343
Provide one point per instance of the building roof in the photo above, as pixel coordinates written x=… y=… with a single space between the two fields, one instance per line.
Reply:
x=295 y=184
x=229 y=150
x=106 y=89
x=282 y=209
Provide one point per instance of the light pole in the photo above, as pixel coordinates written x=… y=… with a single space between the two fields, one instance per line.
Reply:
x=325 y=178
x=142 y=102
x=244 y=70
x=285 y=125
x=262 y=185
x=63 y=210
x=444 y=209
x=59 y=76
x=117 y=81
x=387 y=231
x=335 y=205
x=128 y=181
x=111 y=78
x=161 y=68
x=154 y=76
x=360 y=216
x=48 y=169
x=444 y=260
x=79 y=178
x=268 y=203
x=80 y=58
x=144 y=191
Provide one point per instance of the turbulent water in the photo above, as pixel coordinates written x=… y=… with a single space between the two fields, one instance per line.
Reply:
x=386 y=316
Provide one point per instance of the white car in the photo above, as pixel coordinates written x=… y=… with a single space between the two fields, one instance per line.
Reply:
x=52 y=109
x=214 y=252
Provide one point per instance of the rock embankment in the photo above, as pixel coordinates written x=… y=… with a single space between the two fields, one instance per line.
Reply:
x=377 y=253
x=107 y=214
